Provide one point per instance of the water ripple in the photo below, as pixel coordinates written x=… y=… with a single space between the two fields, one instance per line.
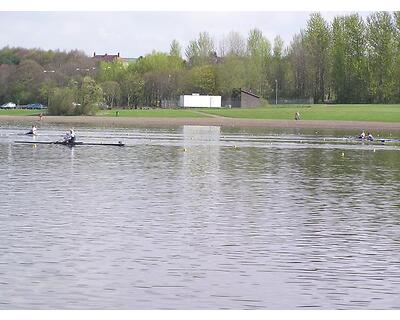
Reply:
x=198 y=219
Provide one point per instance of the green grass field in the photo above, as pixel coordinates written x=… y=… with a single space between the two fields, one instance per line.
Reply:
x=20 y=112
x=152 y=113
x=373 y=112
x=376 y=112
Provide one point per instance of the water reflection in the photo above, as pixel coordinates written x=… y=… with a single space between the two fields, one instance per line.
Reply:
x=200 y=163
x=198 y=217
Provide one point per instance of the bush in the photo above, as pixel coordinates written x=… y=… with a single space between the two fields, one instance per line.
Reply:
x=61 y=102
x=77 y=99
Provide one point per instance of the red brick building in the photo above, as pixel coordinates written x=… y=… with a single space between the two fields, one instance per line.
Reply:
x=106 y=57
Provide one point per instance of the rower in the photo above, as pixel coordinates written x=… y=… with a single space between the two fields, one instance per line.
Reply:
x=362 y=135
x=33 y=130
x=370 y=137
x=70 y=137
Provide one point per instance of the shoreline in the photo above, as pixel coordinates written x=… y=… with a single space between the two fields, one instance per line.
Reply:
x=209 y=121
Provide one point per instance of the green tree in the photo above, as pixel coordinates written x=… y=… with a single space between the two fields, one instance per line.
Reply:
x=62 y=100
x=317 y=44
x=9 y=56
x=349 y=72
x=356 y=60
x=89 y=96
x=132 y=86
x=381 y=56
x=278 y=66
x=6 y=72
x=396 y=17
x=338 y=60
x=45 y=92
x=109 y=71
x=202 y=79
x=111 y=92
x=298 y=62
x=201 y=51
x=156 y=61
x=230 y=75
x=158 y=70
x=259 y=58
x=175 y=49
x=25 y=83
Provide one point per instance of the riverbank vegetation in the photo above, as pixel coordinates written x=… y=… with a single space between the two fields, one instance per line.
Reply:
x=350 y=60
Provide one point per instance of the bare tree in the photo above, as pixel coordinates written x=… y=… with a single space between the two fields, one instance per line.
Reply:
x=233 y=44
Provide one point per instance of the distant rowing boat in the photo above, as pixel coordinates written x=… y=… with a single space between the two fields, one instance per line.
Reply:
x=119 y=144
x=378 y=140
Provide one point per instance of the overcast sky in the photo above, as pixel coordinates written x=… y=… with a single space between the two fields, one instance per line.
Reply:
x=135 y=33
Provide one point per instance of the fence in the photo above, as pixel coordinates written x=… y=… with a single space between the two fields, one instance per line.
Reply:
x=291 y=101
x=173 y=103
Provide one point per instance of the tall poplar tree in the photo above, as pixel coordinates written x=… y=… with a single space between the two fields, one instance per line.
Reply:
x=338 y=60
x=259 y=57
x=381 y=56
x=298 y=75
x=317 y=44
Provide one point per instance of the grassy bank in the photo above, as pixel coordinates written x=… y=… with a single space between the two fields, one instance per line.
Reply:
x=375 y=112
x=19 y=112
x=147 y=113
x=153 y=113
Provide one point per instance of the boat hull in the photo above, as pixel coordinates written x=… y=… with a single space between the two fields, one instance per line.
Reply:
x=78 y=143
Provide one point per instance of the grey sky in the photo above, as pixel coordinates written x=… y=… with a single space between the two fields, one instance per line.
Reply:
x=138 y=33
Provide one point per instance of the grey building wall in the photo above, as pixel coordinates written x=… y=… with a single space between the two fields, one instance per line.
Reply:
x=242 y=99
x=249 y=100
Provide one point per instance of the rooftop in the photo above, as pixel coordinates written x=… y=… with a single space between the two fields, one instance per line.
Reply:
x=106 y=57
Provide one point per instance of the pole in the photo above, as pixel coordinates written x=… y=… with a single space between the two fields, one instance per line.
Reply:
x=276 y=91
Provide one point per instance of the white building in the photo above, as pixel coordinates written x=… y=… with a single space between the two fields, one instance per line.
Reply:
x=197 y=101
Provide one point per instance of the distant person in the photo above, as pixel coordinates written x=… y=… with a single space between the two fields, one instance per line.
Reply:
x=370 y=137
x=116 y=113
x=362 y=135
x=40 y=116
x=33 y=131
x=70 y=137
x=297 y=116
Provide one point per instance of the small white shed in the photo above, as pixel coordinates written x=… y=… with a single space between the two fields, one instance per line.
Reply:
x=197 y=101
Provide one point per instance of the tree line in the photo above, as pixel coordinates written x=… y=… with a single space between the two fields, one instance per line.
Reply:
x=350 y=60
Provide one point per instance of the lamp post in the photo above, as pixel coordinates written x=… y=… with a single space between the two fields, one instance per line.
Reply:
x=276 y=91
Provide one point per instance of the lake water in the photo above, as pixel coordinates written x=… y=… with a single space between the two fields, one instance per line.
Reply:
x=198 y=218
